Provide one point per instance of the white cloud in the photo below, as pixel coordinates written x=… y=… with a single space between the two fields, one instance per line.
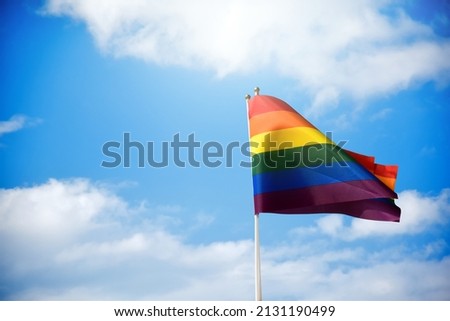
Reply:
x=56 y=210
x=16 y=123
x=428 y=151
x=381 y=114
x=311 y=279
x=77 y=235
x=76 y=239
x=419 y=213
x=330 y=48
x=13 y=124
x=325 y=99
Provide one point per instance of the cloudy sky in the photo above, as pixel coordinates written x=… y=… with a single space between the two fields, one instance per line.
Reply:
x=76 y=75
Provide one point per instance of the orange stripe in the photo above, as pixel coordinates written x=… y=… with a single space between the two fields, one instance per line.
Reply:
x=276 y=120
x=388 y=181
x=387 y=174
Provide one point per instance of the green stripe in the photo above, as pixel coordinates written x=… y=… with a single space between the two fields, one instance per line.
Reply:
x=314 y=155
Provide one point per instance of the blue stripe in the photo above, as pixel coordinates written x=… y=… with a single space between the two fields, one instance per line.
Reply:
x=309 y=176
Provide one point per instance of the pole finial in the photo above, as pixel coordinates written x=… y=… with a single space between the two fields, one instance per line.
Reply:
x=256 y=91
x=247 y=97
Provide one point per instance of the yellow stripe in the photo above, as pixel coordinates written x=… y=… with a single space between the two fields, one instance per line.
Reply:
x=286 y=138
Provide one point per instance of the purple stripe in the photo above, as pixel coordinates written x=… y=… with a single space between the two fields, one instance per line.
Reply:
x=290 y=201
x=370 y=209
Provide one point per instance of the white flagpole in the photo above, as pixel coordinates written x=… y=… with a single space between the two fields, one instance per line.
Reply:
x=258 y=290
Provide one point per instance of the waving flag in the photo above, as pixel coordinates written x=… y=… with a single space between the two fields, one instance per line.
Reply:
x=298 y=170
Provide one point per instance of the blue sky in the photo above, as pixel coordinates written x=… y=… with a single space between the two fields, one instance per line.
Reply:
x=78 y=74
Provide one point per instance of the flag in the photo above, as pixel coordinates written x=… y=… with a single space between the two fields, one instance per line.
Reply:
x=299 y=170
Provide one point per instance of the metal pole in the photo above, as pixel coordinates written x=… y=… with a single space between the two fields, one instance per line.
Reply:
x=258 y=289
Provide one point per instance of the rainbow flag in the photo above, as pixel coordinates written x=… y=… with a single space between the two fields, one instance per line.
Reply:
x=298 y=170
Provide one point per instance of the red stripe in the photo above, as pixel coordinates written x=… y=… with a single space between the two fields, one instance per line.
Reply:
x=263 y=104
x=386 y=170
x=367 y=161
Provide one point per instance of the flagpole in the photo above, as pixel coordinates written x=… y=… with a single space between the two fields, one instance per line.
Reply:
x=258 y=289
